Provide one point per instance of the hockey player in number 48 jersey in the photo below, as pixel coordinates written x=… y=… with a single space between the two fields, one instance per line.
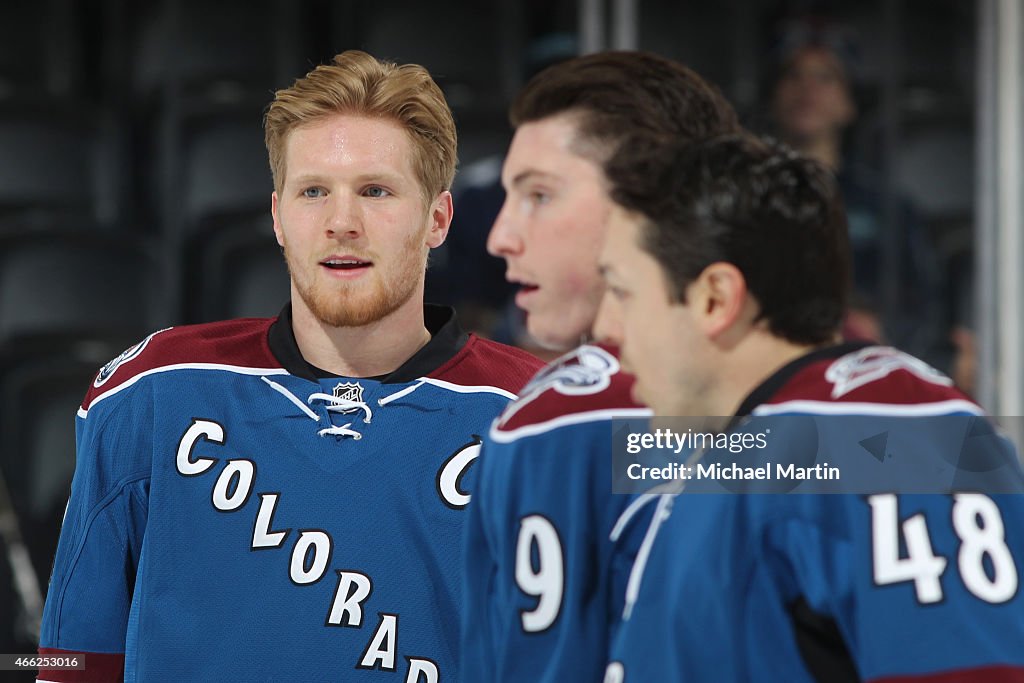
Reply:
x=727 y=265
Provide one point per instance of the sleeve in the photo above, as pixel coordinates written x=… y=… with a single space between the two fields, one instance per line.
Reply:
x=923 y=588
x=540 y=586
x=90 y=591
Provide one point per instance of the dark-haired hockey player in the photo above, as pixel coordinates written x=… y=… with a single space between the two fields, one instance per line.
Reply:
x=727 y=266
x=542 y=594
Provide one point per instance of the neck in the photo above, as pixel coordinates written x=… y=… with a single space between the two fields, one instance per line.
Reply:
x=377 y=348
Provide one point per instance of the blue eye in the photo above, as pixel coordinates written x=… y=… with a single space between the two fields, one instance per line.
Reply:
x=314 y=192
x=376 y=191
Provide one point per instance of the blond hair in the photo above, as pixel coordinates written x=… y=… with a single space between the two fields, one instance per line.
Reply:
x=358 y=84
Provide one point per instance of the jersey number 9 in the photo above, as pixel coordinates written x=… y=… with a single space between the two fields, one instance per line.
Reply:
x=542 y=574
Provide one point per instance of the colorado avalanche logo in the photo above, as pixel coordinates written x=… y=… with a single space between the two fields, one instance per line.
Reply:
x=128 y=354
x=875 y=362
x=586 y=370
x=348 y=391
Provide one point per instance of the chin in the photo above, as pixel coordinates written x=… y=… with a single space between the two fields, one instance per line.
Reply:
x=553 y=339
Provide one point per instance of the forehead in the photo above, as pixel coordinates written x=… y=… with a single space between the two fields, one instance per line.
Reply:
x=815 y=60
x=341 y=141
x=547 y=147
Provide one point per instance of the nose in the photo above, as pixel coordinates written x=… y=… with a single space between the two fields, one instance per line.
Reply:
x=608 y=323
x=504 y=239
x=344 y=220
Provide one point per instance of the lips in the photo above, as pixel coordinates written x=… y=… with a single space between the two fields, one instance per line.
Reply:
x=525 y=294
x=345 y=263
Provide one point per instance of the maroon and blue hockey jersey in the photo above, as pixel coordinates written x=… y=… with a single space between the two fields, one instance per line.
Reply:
x=544 y=579
x=237 y=515
x=886 y=587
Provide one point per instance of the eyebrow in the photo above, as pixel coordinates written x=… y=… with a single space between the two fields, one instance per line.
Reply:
x=379 y=176
x=528 y=174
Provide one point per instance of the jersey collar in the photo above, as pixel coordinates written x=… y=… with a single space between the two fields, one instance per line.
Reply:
x=771 y=386
x=446 y=339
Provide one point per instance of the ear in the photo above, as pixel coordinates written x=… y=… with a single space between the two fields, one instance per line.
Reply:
x=719 y=297
x=277 y=219
x=441 y=213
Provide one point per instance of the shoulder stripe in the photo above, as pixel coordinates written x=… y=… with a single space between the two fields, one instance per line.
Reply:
x=83 y=412
x=503 y=436
x=469 y=389
x=862 y=408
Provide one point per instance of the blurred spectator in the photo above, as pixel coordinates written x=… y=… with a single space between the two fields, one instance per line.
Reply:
x=813 y=109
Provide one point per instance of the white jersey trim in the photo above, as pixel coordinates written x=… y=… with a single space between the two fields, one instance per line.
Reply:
x=469 y=389
x=629 y=513
x=84 y=413
x=853 y=408
x=502 y=436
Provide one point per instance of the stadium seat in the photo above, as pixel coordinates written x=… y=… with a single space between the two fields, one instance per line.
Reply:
x=60 y=166
x=218 y=52
x=75 y=283
x=41 y=393
x=39 y=55
x=241 y=272
x=224 y=168
x=462 y=55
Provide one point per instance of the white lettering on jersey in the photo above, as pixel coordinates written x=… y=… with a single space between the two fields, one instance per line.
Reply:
x=312 y=551
x=380 y=652
x=310 y=557
x=422 y=671
x=546 y=581
x=353 y=590
x=262 y=536
x=614 y=673
x=449 y=477
x=207 y=429
x=242 y=473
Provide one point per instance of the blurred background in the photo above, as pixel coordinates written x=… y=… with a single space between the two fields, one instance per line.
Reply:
x=135 y=189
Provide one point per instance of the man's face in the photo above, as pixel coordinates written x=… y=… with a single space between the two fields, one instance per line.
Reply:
x=549 y=230
x=812 y=98
x=658 y=339
x=352 y=219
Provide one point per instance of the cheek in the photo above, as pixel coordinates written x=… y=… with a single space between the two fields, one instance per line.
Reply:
x=573 y=266
x=575 y=283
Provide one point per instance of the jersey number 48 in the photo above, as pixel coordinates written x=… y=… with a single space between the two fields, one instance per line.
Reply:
x=977 y=522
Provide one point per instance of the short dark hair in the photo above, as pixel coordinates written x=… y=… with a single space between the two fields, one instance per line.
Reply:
x=622 y=92
x=754 y=203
